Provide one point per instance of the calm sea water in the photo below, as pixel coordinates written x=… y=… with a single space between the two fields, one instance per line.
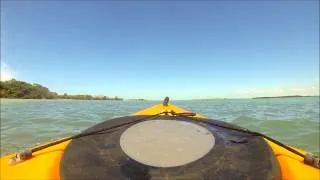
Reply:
x=25 y=123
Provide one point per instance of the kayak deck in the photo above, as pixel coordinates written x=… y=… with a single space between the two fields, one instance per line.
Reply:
x=45 y=164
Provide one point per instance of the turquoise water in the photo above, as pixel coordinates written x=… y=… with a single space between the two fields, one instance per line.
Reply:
x=25 y=123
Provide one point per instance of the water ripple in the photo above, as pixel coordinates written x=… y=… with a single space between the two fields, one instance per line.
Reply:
x=25 y=123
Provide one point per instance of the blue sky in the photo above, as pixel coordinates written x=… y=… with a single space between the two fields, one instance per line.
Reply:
x=150 y=50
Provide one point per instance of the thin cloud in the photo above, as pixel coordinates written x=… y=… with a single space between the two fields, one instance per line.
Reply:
x=6 y=72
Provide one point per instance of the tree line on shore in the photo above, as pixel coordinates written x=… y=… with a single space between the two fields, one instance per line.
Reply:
x=23 y=90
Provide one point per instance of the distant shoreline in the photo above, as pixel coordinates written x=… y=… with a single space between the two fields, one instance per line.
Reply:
x=271 y=97
x=138 y=100
x=14 y=89
x=62 y=99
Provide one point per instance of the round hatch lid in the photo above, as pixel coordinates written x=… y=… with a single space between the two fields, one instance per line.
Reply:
x=166 y=143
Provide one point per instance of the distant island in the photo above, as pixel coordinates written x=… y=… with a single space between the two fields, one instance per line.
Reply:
x=294 y=96
x=210 y=99
x=137 y=100
x=15 y=89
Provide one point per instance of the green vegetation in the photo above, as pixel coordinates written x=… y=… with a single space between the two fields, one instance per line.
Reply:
x=21 y=90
